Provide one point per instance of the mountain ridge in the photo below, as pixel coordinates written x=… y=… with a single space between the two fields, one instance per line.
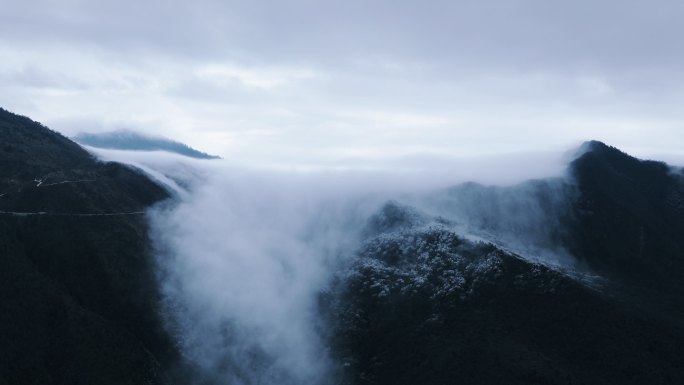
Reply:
x=422 y=304
x=135 y=141
x=419 y=301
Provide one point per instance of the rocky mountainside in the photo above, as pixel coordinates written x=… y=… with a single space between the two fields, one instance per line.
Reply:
x=77 y=289
x=424 y=303
x=630 y=220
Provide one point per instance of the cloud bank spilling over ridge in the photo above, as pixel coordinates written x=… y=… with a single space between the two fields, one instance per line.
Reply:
x=243 y=253
x=242 y=262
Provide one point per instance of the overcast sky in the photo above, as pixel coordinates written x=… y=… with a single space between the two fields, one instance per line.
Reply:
x=310 y=81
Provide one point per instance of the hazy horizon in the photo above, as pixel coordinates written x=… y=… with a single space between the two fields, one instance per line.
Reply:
x=307 y=83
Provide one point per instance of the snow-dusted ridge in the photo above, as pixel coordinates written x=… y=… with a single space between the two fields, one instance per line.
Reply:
x=415 y=250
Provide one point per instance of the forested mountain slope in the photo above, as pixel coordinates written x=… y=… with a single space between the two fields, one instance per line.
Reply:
x=78 y=297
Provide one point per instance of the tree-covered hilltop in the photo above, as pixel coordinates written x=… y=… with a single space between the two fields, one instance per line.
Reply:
x=421 y=304
x=630 y=218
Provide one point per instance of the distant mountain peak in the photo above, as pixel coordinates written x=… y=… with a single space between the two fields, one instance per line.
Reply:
x=596 y=144
x=592 y=153
x=135 y=141
x=600 y=148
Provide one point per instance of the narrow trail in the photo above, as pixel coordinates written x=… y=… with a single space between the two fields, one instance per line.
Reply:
x=26 y=214
x=40 y=183
x=43 y=184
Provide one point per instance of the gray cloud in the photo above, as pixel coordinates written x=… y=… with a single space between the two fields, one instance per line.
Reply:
x=387 y=77
x=522 y=34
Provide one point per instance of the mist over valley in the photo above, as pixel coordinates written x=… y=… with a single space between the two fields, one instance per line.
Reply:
x=256 y=192
x=167 y=269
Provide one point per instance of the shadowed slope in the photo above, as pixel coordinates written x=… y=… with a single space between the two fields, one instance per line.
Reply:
x=77 y=293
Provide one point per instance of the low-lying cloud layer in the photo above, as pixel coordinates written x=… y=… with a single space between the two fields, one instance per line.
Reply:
x=244 y=253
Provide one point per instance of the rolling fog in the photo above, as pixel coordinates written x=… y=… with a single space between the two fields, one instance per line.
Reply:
x=243 y=253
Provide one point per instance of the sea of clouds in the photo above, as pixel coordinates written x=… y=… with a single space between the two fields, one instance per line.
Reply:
x=243 y=252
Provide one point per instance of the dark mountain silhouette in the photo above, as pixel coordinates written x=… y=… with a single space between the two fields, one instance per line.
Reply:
x=420 y=302
x=630 y=217
x=130 y=140
x=77 y=289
